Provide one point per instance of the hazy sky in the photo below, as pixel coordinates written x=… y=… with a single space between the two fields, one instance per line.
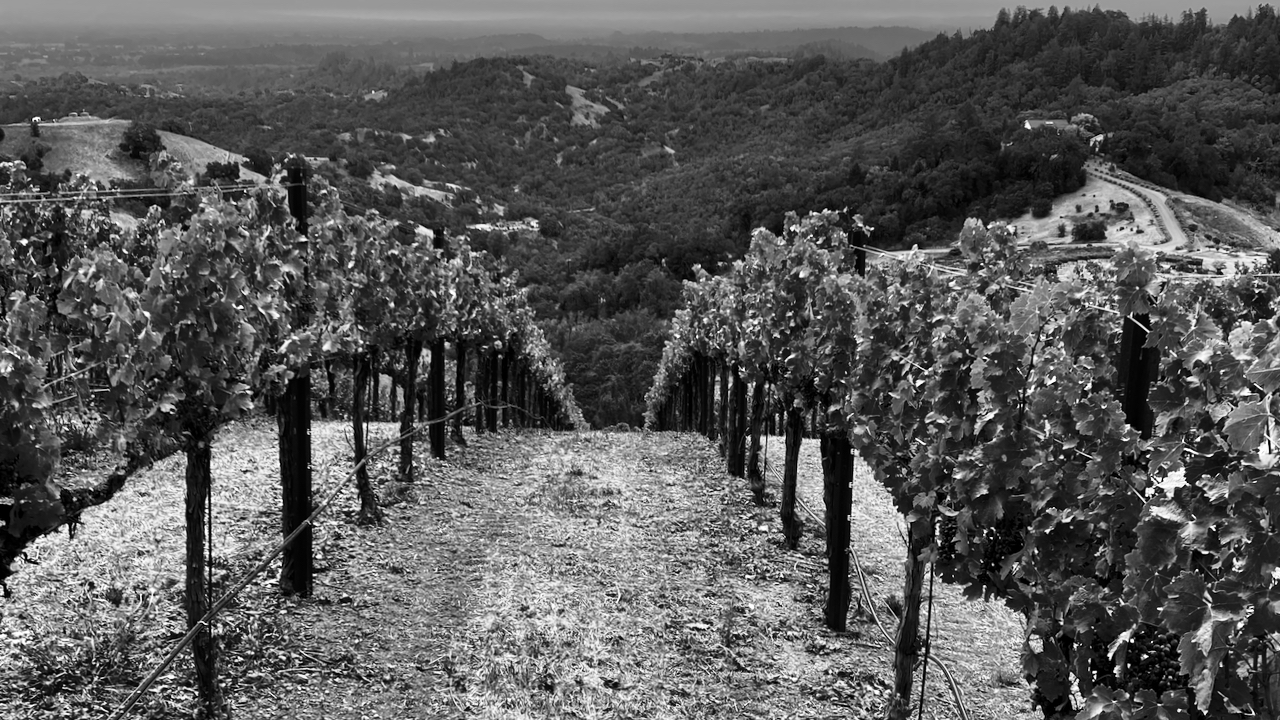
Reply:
x=572 y=16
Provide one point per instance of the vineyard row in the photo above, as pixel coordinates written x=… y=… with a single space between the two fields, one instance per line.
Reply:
x=1089 y=444
x=148 y=340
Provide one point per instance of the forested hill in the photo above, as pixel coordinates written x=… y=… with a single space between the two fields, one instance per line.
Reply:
x=1191 y=104
x=639 y=168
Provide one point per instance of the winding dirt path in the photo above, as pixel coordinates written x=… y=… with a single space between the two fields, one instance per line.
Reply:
x=1156 y=201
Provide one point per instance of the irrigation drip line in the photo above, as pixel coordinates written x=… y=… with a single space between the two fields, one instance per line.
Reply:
x=928 y=645
x=956 y=694
x=230 y=595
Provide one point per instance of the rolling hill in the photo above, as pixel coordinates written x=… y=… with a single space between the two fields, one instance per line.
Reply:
x=91 y=146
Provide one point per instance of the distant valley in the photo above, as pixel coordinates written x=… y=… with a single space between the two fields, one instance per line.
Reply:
x=639 y=157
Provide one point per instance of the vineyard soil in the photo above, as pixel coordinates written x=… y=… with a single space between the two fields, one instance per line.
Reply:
x=536 y=575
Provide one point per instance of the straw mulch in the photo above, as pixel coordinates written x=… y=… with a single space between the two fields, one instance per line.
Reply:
x=591 y=575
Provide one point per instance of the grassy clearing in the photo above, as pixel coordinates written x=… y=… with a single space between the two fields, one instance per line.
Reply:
x=1094 y=201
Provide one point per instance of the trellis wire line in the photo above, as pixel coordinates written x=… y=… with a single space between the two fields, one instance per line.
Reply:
x=92 y=193
x=103 y=195
x=230 y=595
x=928 y=645
x=956 y=694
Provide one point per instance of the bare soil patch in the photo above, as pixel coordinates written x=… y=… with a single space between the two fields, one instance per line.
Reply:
x=1096 y=200
x=1215 y=225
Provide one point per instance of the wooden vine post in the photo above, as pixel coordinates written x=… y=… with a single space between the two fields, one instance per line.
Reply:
x=370 y=513
x=459 y=389
x=737 y=424
x=481 y=384
x=906 y=646
x=436 y=379
x=792 y=524
x=412 y=354
x=508 y=359
x=294 y=420
x=723 y=422
x=690 y=405
x=708 y=389
x=436 y=400
x=755 y=473
x=492 y=398
x=1138 y=369
x=375 y=381
x=837 y=466
x=198 y=429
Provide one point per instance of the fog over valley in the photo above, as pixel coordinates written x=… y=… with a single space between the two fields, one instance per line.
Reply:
x=554 y=18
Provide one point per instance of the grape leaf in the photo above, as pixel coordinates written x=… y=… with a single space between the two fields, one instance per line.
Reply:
x=1103 y=702
x=1246 y=426
x=1265 y=374
x=1201 y=653
x=1186 y=604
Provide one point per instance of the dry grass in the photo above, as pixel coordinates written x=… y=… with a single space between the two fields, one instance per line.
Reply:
x=618 y=575
x=195 y=155
x=1094 y=201
x=978 y=640
x=1217 y=224
x=93 y=149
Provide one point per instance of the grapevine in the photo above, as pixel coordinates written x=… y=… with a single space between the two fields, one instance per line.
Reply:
x=987 y=403
x=192 y=325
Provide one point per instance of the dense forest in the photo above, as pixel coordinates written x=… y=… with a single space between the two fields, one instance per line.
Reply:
x=660 y=164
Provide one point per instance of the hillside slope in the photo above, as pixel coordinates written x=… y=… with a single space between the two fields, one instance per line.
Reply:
x=92 y=147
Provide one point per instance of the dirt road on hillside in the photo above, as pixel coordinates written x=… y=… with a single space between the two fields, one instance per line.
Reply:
x=1156 y=201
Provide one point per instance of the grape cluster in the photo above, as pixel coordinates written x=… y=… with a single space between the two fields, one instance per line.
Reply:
x=995 y=542
x=1152 y=662
x=945 y=539
x=1256 y=646
x=1000 y=541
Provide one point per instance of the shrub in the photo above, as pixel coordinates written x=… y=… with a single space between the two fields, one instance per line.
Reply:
x=1041 y=207
x=259 y=160
x=222 y=171
x=33 y=156
x=1089 y=231
x=140 y=140
x=360 y=166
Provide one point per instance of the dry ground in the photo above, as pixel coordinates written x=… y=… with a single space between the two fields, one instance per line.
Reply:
x=1094 y=194
x=1220 y=224
x=92 y=147
x=574 y=575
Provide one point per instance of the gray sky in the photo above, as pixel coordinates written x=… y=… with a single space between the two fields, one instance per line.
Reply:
x=569 y=16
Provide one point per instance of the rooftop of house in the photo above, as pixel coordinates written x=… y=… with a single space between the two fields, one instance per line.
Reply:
x=1058 y=125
